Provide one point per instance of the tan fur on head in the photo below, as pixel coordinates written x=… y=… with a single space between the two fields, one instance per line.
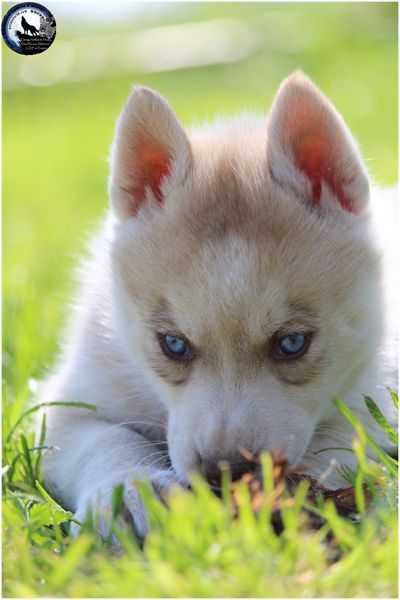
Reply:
x=242 y=251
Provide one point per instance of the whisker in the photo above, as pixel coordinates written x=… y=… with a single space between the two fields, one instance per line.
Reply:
x=157 y=460
x=145 y=458
x=141 y=445
x=155 y=424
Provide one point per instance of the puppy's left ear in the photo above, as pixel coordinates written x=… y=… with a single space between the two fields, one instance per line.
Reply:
x=150 y=149
x=310 y=149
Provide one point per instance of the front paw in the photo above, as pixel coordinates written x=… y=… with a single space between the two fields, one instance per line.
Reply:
x=163 y=481
x=96 y=506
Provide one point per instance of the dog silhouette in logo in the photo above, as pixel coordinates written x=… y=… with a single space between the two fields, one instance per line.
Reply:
x=26 y=27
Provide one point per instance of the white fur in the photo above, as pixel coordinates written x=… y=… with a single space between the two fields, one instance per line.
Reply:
x=229 y=282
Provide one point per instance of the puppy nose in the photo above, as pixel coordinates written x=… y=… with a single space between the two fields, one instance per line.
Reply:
x=213 y=469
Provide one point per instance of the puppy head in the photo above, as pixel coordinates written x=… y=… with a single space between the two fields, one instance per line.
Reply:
x=244 y=281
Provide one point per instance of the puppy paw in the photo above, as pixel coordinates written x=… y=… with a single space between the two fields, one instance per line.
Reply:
x=95 y=507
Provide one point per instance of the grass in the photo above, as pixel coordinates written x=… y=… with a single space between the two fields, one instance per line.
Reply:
x=195 y=548
x=56 y=143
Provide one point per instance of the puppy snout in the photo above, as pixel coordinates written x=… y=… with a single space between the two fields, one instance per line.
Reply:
x=213 y=468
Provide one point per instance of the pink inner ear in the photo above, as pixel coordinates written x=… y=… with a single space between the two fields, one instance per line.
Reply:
x=155 y=166
x=150 y=165
x=310 y=157
x=312 y=136
x=317 y=160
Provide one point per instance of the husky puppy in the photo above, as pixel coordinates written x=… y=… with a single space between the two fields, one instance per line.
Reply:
x=235 y=288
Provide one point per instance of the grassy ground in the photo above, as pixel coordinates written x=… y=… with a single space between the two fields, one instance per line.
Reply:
x=56 y=142
x=196 y=548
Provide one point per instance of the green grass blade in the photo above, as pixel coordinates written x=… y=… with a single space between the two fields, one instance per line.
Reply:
x=376 y=413
x=348 y=474
x=117 y=499
x=53 y=503
x=17 y=457
x=395 y=397
x=38 y=461
x=27 y=456
x=44 y=405
x=46 y=495
x=359 y=492
x=388 y=461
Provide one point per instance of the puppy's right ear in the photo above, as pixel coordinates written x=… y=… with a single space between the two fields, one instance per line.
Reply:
x=150 y=147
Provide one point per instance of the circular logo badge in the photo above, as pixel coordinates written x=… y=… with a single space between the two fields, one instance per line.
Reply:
x=28 y=28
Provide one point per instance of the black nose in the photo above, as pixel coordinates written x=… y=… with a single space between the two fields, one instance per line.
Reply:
x=213 y=469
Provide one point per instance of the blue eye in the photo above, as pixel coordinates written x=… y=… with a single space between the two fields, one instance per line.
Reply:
x=175 y=346
x=292 y=345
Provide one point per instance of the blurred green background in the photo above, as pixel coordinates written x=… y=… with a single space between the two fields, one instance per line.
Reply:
x=59 y=111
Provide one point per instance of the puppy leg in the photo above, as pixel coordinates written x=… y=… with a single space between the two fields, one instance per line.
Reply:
x=90 y=457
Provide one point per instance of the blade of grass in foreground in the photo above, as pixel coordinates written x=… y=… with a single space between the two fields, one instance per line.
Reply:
x=54 y=504
x=44 y=405
x=38 y=461
x=26 y=453
x=394 y=396
x=376 y=413
x=386 y=460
